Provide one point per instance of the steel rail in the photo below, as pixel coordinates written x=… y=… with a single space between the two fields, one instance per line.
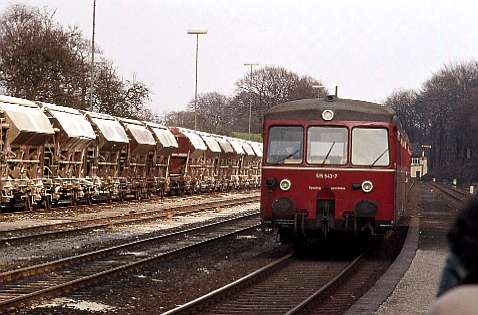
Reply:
x=253 y=278
x=50 y=266
x=231 y=287
x=66 y=205
x=324 y=289
x=121 y=220
x=456 y=195
x=21 y=289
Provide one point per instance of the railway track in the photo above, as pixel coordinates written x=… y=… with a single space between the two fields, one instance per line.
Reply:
x=288 y=285
x=458 y=196
x=56 y=277
x=98 y=204
x=9 y=237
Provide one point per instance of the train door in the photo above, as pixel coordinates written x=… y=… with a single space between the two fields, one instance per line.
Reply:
x=398 y=171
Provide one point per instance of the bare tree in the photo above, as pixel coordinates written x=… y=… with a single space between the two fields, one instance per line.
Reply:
x=42 y=60
x=404 y=102
x=38 y=58
x=212 y=112
x=443 y=113
x=179 y=119
x=118 y=97
x=268 y=87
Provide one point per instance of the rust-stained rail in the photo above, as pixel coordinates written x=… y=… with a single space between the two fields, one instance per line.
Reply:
x=54 y=278
x=81 y=226
x=285 y=286
x=453 y=193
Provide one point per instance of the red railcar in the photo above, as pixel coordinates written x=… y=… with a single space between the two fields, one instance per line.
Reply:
x=333 y=164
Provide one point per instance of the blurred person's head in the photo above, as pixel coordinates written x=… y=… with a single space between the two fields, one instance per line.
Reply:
x=463 y=238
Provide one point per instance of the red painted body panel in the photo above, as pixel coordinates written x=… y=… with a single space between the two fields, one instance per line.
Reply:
x=307 y=188
x=334 y=182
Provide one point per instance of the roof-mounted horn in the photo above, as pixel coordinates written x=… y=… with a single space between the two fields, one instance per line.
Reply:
x=330 y=98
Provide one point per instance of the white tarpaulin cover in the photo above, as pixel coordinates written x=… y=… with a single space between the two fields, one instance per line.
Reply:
x=195 y=140
x=166 y=137
x=212 y=144
x=110 y=128
x=247 y=148
x=237 y=146
x=15 y=100
x=72 y=121
x=225 y=145
x=141 y=134
x=257 y=148
x=27 y=118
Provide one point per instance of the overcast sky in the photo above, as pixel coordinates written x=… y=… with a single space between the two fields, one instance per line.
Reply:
x=367 y=48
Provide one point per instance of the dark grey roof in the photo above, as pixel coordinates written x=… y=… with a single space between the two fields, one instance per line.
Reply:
x=344 y=109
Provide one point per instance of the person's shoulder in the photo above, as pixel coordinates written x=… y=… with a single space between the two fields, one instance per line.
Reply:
x=460 y=300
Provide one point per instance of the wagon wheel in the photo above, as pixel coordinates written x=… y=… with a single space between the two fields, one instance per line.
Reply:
x=11 y=203
x=89 y=199
x=73 y=200
x=28 y=203
x=47 y=202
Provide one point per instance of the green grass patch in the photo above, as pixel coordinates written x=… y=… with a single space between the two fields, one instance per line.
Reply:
x=244 y=135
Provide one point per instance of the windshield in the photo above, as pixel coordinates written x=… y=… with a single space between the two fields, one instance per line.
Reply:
x=327 y=145
x=370 y=147
x=285 y=145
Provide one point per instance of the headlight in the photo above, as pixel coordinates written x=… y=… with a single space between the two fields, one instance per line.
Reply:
x=327 y=115
x=367 y=186
x=285 y=184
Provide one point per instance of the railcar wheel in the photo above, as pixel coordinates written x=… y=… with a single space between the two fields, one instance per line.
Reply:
x=286 y=236
x=300 y=244
x=11 y=204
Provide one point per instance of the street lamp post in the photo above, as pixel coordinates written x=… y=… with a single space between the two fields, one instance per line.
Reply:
x=92 y=74
x=197 y=33
x=250 y=96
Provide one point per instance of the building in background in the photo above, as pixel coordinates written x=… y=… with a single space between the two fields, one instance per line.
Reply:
x=419 y=165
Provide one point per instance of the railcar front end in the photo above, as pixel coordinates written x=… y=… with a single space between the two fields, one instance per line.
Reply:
x=332 y=167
